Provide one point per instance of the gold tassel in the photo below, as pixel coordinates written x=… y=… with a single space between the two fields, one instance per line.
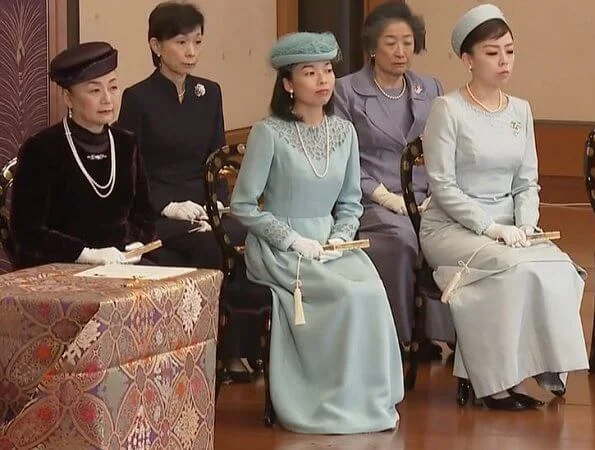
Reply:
x=298 y=306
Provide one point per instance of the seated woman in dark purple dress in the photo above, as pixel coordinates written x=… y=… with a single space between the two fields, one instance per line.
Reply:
x=80 y=193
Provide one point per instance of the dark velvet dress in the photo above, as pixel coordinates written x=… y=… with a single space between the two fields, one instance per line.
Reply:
x=55 y=212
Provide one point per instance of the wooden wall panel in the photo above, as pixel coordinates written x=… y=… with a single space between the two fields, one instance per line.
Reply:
x=25 y=37
x=369 y=5
x=58 y=27
x=560 y=147
x=23 y=72
x=287 y=16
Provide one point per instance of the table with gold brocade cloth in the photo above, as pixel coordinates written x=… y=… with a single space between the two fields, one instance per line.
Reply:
x=90 y=363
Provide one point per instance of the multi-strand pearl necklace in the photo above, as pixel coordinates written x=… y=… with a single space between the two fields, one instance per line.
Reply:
x=98 y=188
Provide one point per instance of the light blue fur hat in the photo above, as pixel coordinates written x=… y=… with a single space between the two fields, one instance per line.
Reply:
x=470 y=21
x=295 y=48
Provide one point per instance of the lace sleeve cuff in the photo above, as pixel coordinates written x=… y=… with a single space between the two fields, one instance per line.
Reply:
x=280 y=234
x=345 y=231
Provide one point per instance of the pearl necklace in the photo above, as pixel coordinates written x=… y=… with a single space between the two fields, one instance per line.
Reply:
x=387 y=95
x=328 y=149
x=111 y=182
x=500 y=102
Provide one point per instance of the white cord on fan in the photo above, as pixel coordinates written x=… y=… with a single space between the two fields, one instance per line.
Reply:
x=453 y=284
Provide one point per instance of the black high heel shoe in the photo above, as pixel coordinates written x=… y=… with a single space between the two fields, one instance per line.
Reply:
x=526 y=400
x=233 y=375
x=237 y=376
x=549 y=383
x=506 y=404
x=559 y=392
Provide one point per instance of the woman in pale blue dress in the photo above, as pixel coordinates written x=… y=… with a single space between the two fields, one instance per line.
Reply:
x=516 y=305
x=335 y=365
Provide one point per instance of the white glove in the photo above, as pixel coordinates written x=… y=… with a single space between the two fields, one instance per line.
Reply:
x=511 y=235
x=187 y=210
x=202 y=226
x=308 y=248
x=133 y=246
x=424 y=205
x=106 y=255
x=394 y=202
x=527 y=229
x=329 y=255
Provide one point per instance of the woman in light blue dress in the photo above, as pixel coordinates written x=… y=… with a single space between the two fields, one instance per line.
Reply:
x=516 y=305
x=335 y=365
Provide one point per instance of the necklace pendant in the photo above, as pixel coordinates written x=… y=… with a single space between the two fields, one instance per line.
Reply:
x=102 y=191
x=96 y=156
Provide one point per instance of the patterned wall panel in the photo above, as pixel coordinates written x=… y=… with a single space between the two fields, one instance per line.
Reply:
x=24 y=102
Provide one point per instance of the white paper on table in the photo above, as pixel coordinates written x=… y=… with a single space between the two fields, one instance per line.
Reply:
x=132 y=271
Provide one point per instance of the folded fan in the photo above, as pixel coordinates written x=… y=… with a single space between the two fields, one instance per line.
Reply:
x=154 y=245
x=544 y=236
x=342 y=246
x=348 y=245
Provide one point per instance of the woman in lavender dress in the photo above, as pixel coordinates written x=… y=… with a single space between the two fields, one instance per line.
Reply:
x=388 y=104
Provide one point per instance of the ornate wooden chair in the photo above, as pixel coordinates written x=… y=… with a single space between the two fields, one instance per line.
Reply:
x=239 y=296
x=589 y=172
x=6 y=177
x=425 y=288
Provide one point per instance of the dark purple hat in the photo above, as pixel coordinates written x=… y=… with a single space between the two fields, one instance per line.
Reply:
x=83 y=63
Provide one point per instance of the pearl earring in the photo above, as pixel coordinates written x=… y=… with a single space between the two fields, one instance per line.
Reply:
x=291 y=95
x=69 y=113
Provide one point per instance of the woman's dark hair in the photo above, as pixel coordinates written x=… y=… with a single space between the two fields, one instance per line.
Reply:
x=282 y=104
x=172 y=18
x=490 y=29
x=392 y=11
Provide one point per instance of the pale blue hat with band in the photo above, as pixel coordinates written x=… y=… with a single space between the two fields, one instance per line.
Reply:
x=296 y=48
x=470 y=21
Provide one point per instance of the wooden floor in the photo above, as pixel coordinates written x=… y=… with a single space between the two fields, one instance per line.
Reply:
x=430 y=418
